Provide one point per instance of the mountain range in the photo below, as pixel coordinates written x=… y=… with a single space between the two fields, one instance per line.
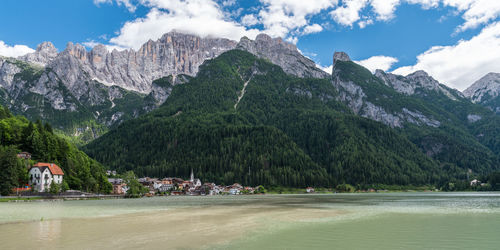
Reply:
x=83 y=93
x=256 y=112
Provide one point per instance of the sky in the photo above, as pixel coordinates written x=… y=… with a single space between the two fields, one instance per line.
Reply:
x=455 y=41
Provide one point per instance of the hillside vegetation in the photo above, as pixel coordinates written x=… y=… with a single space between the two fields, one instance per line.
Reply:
x=285 y=131
x=18 y=134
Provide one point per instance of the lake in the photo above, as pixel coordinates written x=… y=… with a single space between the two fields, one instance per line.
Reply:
x=330 y=221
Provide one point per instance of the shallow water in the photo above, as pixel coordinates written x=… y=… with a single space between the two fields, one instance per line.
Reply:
x=340 y=221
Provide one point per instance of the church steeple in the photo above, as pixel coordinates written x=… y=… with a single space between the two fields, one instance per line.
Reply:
x=192 y=176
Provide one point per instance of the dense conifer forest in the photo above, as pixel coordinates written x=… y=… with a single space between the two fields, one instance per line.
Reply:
x=288 y=131
x=18 y=134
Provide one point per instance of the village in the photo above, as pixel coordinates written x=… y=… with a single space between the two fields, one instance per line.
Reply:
x=42 y=176
x=179 y=186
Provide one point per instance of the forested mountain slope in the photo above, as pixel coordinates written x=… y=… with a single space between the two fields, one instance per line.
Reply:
x=81 y=172
x=440 y=121
x=242 y=119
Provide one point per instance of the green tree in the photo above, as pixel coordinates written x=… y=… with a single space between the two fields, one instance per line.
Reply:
x=494 y=181
x=260 y=190
x=135 y=189
x=345 y=188
x=12 y=171
x=55 y=188
x=64 y=186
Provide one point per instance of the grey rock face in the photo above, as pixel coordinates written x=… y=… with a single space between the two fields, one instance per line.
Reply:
x=486 y=91
x=7 y=71
x=473 y=118
x=282 y=54
x=111 y=87
x=174 y=53
x=45 y=52
x=413 y=83
x=161 y=90
x=356 y=99
x=486 y=87
x=340 y=56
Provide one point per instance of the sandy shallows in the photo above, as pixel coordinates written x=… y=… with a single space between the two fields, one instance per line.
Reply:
x=177 y=228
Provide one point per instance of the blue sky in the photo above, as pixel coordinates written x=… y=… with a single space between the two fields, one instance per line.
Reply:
x=394 y=35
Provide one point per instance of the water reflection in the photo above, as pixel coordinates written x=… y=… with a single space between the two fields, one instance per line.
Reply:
x=48 y=231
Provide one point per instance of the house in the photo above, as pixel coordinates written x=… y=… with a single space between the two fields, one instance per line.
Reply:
x=237 y=186
x=24 y=155
x=119 y=186
x=234 y=191
x=309 y=190
x=42 y=175
x=109 y=172
x=165 y=188
x=475 y=182
x=167 y=181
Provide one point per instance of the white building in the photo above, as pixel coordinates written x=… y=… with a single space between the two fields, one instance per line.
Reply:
x=42 y=175
x=196 y=182
x=475 y=182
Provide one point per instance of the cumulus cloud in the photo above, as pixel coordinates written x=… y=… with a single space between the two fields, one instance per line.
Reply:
x=110 y=48
x=474 y=12
x=249 y=20
x=458 y=66
x=14 y=51
x=281 y=18
x=349 y=12
x=310 y=29
x=327 y=69
x=199 y=17
x=384 y=8
x=125 y=3
x=378 y=62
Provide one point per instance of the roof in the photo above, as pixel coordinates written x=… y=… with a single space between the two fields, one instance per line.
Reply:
x=54 y=169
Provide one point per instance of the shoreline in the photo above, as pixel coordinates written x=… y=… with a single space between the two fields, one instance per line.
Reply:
x=5 y=199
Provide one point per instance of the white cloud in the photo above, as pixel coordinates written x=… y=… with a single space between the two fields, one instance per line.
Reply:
x=310 y=29
x=384 y=8
x=14 y=51
x=125 y=3
x=474 y=12
x=460 y=65
x=479 y=12
x=349 y=12
x=364 y=23
x=378 y=62
x=110 y=48
x=228 y=2
x=283 y=17
x=327 y=69
x=249 y=20
x=199 y=17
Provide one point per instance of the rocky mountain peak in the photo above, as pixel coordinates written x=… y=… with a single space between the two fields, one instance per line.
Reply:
x=486 y=87
x=99 y=50
x=77 y=50
x=418 y=73
x=413 y=83
x=46 y=47
x=340 y=56
x=45 y=52
x=283 y=54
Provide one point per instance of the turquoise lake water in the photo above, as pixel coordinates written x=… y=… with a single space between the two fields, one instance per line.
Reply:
x=334 y=221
